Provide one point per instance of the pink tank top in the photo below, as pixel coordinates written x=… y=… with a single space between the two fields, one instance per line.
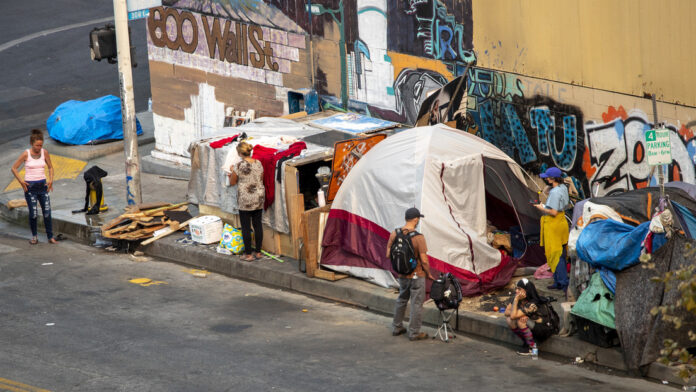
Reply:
x=34 y=168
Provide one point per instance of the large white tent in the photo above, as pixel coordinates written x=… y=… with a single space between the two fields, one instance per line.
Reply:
x=456 y=179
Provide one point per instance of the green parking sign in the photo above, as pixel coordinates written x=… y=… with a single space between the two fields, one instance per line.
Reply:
x=658 y=148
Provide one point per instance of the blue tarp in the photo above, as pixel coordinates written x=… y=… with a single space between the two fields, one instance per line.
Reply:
x=90 y=122
x=686 y=219
x=609 y=279
x=611 y=244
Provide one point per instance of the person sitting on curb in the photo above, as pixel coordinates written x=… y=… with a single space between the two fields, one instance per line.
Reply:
x=554 y=227
x=412 y=285
x=526 y=318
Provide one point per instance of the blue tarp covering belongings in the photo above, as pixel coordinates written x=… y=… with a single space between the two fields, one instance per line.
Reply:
x=611 y=244
x=612 y=233
x=90 y=122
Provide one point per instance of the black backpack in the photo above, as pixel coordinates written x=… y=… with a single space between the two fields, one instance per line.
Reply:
x=553 y=322
x=403 y=257
x=446 y=292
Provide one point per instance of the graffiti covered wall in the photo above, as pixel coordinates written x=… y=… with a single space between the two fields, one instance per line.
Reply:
x=385 y=57
x=601 y=146
x=208 y=59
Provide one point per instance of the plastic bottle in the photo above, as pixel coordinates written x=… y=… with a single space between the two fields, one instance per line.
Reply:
x=535 y=353
x=321 y=200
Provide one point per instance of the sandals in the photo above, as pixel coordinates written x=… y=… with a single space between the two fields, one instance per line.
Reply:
x=259 y=256
x=247 y=258
x=34 y=241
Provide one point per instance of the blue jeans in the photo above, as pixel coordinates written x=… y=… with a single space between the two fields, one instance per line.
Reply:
x=560 y=277
x=38 y=192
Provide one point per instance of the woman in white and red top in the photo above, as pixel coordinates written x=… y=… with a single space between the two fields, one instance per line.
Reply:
x=35 y=184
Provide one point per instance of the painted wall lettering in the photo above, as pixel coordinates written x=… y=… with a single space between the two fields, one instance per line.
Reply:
x=225 y=40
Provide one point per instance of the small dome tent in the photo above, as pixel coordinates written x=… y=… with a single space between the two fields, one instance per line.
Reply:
x=458 y=181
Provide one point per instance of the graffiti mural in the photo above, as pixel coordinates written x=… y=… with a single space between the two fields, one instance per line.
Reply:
x=384 y=58
x=431 y=29
x=444 y=38
x=617 y=153
x=537 y=132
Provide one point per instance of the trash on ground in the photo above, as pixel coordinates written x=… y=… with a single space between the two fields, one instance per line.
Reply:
x=16 y=203
x=274 y=257
x=223 y=251
x=50 y=324
x=146 y=281
x=46 y=263
x=198 y=273
x=138 y=224
x=140 y=259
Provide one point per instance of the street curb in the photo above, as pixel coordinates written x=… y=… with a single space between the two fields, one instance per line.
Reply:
x=349 y=291
x=368 y=296
x=161 y=167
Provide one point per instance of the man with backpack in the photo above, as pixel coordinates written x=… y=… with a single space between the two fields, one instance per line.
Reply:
x=407 y=252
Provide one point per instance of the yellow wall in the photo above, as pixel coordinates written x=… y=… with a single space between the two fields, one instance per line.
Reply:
x=626 y=46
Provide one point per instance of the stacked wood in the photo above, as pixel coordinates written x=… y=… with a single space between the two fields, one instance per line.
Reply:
x=139 y=224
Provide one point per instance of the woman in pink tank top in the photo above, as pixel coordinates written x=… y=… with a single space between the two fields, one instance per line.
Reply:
x=36 y=186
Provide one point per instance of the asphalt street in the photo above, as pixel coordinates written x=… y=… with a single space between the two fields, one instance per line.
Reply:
x=71 y=320
x=44 y=52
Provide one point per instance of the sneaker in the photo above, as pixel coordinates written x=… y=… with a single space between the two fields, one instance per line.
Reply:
x=398 y=331
x=420 y=336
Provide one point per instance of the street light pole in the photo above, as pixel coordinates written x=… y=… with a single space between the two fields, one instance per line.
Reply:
x=342 y=44
x=318 y=9
x=125 y=80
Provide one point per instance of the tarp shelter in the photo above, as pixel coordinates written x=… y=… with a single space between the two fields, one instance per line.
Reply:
x=457 y=180
x=638 y=206
x=90 y=122
x=641 y=333
x=207 y=184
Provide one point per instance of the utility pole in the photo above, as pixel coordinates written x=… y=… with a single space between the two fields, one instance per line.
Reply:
x=660 y=175
x=125 y=81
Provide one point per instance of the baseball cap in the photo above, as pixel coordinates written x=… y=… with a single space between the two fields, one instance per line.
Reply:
x=552 y=172
x=413 y=213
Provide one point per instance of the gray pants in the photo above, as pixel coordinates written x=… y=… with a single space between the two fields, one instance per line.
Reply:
x=415 y=290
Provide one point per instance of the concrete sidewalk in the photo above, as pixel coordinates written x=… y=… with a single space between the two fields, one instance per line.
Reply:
x=69 y=195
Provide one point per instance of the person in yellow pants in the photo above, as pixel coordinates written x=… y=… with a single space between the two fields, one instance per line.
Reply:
x=554 y=227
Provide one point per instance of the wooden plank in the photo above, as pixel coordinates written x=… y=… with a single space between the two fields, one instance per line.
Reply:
x=294 y=115
x=113 y=223
x=320 y=237
x=294 y=202
x=310 y=222
x=309 y=247
x=329 y=275
x=166 y=233
x=166 y=208
x=149 y=206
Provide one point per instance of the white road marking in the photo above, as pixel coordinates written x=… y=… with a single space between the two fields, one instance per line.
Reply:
x=51 y=31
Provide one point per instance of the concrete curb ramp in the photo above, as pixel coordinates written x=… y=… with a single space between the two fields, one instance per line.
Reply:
x=350 y=291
